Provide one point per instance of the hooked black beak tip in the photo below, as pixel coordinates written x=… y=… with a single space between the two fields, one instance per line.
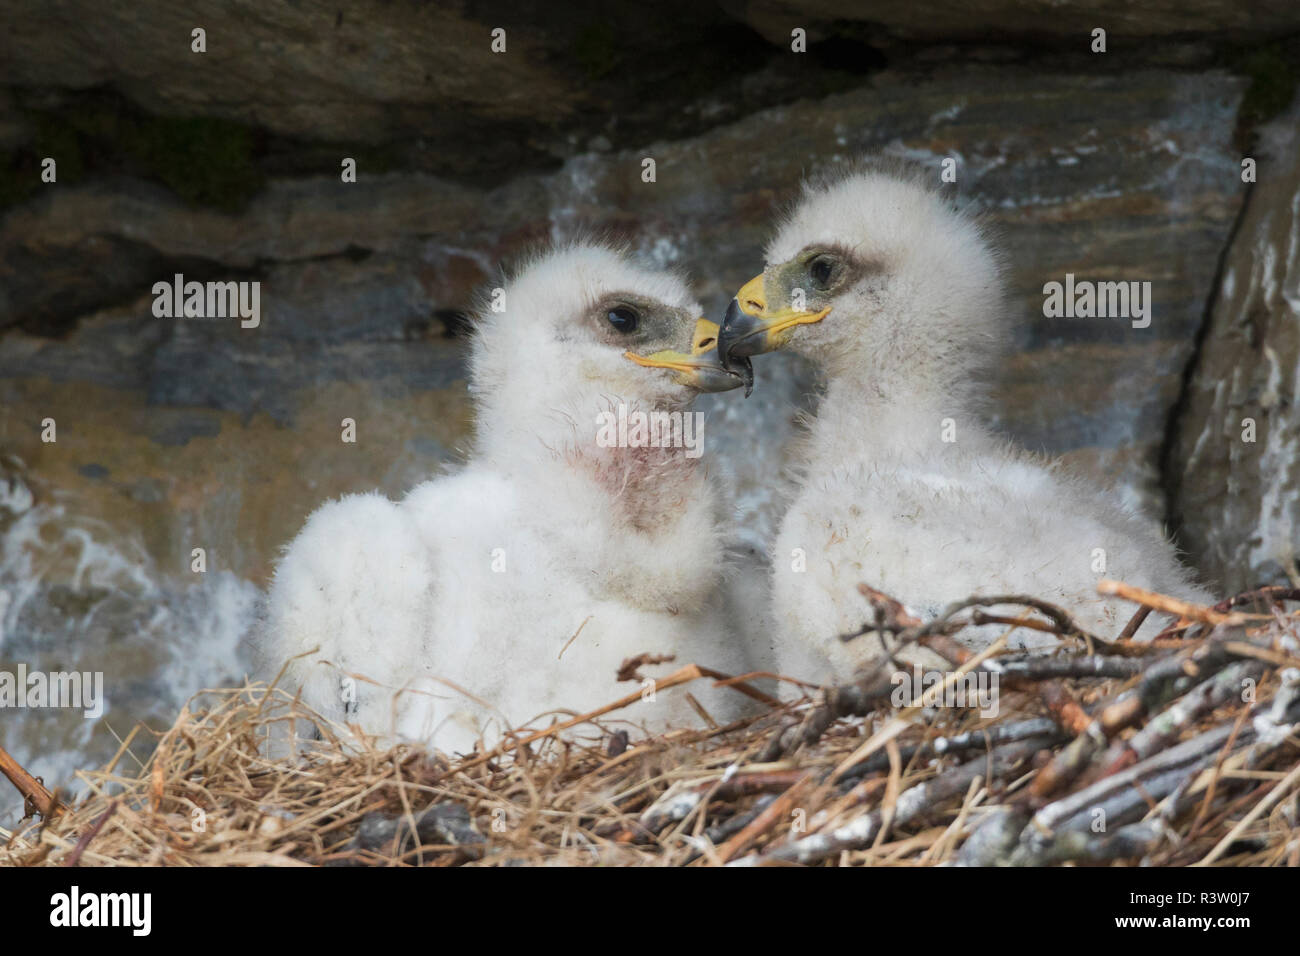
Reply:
x=746 y=370
x=727 y=336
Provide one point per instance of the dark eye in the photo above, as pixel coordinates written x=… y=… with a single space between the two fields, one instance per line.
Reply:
x=623 y=319
x=821 y=270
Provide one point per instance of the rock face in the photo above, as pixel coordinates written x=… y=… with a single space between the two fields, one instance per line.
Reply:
x=1234 y=463
x=463 y=88
x=312 y=69
x=984 y=20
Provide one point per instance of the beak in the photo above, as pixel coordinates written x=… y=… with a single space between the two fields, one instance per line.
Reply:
x=701 y=369
x=751 y=327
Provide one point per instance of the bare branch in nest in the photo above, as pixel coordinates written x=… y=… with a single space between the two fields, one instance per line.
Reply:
x=993 y=841
x=912 y=803
x=1129 y=793
x=849 y=700
x=1154 y=647
x=891 y=617
x=947 y=648
x=682 y=676
x=957 y=743
x=36 y=799
x=74 y=858
x=1154 y=778
x=1047 y=668
x=1163 y=680
x=1169 y=725
x=679 y=802
x=1065 y=624
x=1274 y=596
x=1135 y=623
x=1135 y=841
x=1065 y=710
x=945 y=624
x=1162 y=602
x=778 y=810
x=860 y=698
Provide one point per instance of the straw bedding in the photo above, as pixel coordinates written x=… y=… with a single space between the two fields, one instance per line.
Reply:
x=1182 y=750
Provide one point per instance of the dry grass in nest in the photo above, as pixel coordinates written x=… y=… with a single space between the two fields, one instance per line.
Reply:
x=1178 y=751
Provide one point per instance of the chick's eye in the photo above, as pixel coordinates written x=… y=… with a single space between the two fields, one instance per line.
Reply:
x=623 y=319
x=821 y=270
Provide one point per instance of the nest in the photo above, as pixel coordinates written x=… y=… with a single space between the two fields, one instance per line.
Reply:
x=1176 y=751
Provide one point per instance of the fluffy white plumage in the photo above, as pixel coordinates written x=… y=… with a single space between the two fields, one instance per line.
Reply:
x=462 y=601
x=917 y=312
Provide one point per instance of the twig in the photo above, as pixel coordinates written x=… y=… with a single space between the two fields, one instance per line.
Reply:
x=36 y=799
x=891 y=616
x=902 y=721
x=1064 y=708
x=74 y=858
x=1245 y=649
x=1118 y=792
x=1044 y=668
x=1161 y=682
x=1134 y=840
x=1169 y=605
x=1166 y=727
x=1271 y=594
x=686 y=674
x=778 y=809
x=985 y=737
x=1135 y=623
x=847 y=700
x=1277 y=793
x=912 y=803
x=944 y=625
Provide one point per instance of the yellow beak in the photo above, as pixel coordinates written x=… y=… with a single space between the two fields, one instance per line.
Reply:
x=701 y=369
x=751 y=327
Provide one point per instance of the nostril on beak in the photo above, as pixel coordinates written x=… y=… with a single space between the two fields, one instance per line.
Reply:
x=754 y=305
x=705 y=343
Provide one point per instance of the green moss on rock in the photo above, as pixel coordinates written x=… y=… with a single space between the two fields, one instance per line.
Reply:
x=205 y=161
x=595 y=49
